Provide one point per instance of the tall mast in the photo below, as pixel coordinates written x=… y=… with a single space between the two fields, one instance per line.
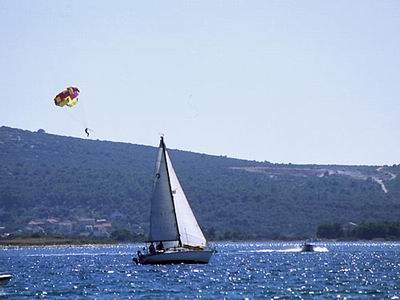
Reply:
x=162 y=144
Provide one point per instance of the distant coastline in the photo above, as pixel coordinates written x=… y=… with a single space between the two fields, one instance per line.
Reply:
x=53 y=241
x=101 y=190
x=56 y=241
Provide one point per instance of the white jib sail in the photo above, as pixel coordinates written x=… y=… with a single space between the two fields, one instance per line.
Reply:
x=189 y=229
x=163 y=225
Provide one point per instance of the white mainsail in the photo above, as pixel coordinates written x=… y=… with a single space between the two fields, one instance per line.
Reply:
x=171 y=216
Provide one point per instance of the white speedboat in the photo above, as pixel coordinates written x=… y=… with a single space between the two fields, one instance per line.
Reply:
x=5 y=278
x=175 y=236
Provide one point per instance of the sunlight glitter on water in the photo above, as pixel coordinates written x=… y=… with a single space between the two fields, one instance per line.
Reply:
x=290 y=250
x=237 y=271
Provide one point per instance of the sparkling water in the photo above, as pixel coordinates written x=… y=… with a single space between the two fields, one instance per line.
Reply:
x=275 y=270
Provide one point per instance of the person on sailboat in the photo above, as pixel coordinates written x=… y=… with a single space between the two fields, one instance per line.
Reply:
x=160 y=247
x=152 y=250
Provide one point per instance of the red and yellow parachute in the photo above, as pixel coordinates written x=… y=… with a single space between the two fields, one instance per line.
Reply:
x=68 y=97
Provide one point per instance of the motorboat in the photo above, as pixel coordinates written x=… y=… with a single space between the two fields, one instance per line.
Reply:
x=5 y=278
x=307 y=247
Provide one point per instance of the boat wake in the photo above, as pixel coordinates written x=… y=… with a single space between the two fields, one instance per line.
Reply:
x=79 y=254
x=290 y=250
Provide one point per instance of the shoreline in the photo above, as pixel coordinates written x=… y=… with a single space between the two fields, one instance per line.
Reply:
x=59 y=241
x=27 y=242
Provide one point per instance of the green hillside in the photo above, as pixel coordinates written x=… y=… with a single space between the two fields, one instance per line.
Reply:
x=49 y=176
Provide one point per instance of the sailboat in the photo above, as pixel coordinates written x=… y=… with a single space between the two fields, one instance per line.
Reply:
x=175 y=236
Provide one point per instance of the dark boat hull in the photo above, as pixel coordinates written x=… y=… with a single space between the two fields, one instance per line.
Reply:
x=176 y=257
x=5 y=278
x=307 y=248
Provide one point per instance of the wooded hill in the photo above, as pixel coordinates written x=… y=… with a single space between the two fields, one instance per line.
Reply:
x=50 y=176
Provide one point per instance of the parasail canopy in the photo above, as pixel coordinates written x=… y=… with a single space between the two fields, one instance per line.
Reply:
x=68 y=97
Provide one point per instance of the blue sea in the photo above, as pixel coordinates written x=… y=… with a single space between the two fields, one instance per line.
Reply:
x=275 y=270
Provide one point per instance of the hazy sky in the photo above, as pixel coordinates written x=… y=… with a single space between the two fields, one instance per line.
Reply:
x=283 y=81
